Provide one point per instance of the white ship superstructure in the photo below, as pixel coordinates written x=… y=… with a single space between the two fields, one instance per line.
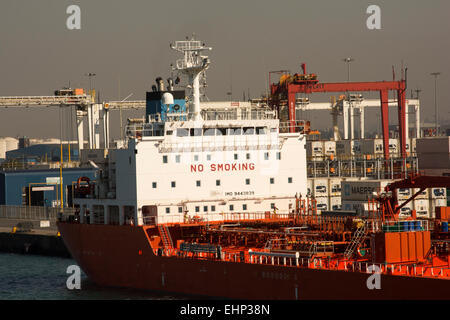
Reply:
x=179 y=165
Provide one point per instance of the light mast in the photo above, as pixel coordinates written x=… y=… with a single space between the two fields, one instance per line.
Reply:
x=192 y=64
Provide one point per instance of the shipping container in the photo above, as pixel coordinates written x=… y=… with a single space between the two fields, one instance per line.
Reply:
x=335 y=187
x=360 y=207
x=404 y=193
x=320 y=187
x=310 y=189
x=329 y=148
x=394 y=146
x=406 y=210
x=434 y=203
x=348 y=147
x=315 y=150
x=422 y=195
x=362 y=190
x=372 y=146
x=437 y=193
x=413 y=146
x=434 y=145
x=335 y=203
x=322 y=204
x=422 y=207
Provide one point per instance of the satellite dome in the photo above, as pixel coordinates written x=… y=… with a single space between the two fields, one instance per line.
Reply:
x=167 y=98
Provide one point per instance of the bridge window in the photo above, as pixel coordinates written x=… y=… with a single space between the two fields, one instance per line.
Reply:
x=180 y=209
x=198 y=183
x=272 y=180
x=244 y=207
x=173 y=183
x=234 y=131
x=182 y=132
x=290 y=180
x=196 y=132
x=197 y=209
x=167 y=210
x=177 y=158
x=278 y=155
x=221 y=132
x=154 y=185
x=217 y=182
x=266 y=156
x=231 y=207
x=261 y=130
x=249 y=130
x=247 y=181
x=209 y=132
x=164 y=159
x=213 y=208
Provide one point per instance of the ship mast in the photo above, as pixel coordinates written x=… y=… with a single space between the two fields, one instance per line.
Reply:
x=192 y=64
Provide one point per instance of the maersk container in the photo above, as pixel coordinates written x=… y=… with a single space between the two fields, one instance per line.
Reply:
x=360 y=207
x=362 y=190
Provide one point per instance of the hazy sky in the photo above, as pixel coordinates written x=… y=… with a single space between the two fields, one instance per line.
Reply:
x=129 y=40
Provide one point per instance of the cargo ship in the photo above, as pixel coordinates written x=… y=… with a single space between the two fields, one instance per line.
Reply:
x=214 y=203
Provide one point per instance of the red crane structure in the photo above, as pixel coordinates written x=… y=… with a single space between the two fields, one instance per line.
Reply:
x=289 y=86
x=389 y=204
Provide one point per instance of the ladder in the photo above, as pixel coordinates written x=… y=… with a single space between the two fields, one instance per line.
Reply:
x=165 y=236
x=357 y=239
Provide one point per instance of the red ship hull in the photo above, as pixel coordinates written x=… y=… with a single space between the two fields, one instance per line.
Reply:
x=121 y=256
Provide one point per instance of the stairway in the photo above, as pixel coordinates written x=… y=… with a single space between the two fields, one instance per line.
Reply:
x=357 y=239
x=165 y=236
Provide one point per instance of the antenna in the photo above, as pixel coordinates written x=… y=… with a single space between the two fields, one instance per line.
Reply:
x=192 y=64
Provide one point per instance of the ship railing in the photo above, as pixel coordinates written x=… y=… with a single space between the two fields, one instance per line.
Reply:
x=326 y=263
x=34 y=212
x=219 y=217
x=297 y=127
x=296 y=259
x=243 y=114
x=218 y=146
